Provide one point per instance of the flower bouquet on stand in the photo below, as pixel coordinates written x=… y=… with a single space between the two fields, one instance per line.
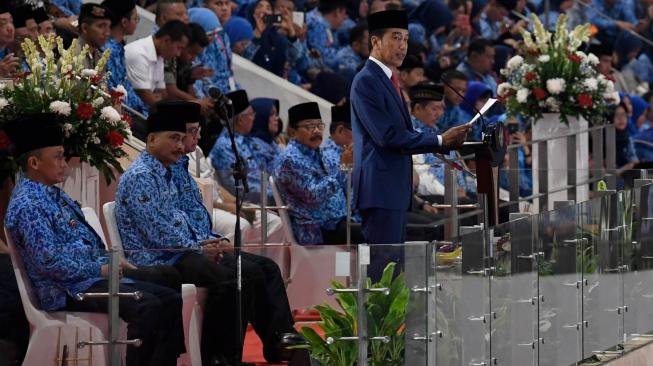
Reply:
x=94 y=130
x=558 y=88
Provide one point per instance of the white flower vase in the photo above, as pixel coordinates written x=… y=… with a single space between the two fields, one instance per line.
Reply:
x=556 y=168
x=82 y=183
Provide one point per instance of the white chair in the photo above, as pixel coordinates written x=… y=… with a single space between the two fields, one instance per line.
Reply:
x=285 y=218
x=51 y=331
x=94 y=221
x=192 y=297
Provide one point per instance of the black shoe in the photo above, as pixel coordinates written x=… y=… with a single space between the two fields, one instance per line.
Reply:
x=279 y=350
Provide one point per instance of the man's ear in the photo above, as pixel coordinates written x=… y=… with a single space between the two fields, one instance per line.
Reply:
x=33 y=162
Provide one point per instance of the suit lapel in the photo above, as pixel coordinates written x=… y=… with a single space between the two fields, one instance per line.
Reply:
x=391 y=89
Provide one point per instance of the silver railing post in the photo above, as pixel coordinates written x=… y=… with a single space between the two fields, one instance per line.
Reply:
x=264 y=207
x=571 y=168
x=610 y=156
x=114 y=319
x=450 y=199
x=513 y=178
x=543 y=174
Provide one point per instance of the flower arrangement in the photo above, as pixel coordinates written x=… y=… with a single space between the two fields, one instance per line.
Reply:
x=93 y=129
x=551 y=75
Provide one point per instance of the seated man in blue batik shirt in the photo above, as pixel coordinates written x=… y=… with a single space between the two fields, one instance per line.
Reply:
x=340 y=140
x=455 y=87
x=63 y=256
x=217 y=56
x=479 y=63
x=124 y=21
x=322 y=22
x=8 y=62
x=351 y=56
x=156 y=230
x=222 y=157
x=312 y=184
x=272 y=299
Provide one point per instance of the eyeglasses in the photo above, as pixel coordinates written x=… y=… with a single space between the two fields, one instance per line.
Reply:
x=313 y=126
x=194 y=131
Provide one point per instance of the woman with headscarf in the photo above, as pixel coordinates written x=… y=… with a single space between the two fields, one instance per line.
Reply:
x=475 y=97
x=270 y=47
x=266 y=129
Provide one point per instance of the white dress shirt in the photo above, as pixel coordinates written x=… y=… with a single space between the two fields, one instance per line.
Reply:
x=144 y=66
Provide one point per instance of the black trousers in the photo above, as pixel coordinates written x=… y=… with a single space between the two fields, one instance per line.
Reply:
x=15 y=328
x=155 y=319
x=339 y=234
x=166 y=276
x=264 y=303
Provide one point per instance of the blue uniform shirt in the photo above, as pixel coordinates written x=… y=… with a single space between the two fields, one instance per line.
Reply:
x=68 y=7
x=61 y=252
x=222 y=159
x=313 y=186
x=118 y=75
x=217 y=56
x=347 y=61
x=190 y=200
x=321 y=37
x=148 y=214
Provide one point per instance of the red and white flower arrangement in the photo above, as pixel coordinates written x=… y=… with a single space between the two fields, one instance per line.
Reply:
x=94 y=130
x=552 y=76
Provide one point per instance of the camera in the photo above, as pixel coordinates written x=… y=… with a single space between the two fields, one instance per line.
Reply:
x=270 y=19
x=512 y=128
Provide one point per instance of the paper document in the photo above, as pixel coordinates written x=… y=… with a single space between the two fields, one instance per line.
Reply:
x=490 y=102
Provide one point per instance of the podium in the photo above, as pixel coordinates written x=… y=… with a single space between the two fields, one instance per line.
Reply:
x=488 y=154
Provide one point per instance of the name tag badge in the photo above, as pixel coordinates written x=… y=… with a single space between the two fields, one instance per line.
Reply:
x=72 y=223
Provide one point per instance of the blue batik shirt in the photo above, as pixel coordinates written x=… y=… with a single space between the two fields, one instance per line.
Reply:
x=148 y=214
x=606 y=18
x=347 y=61
x=265 y=152
x=118 y=75
x=313 y=187
x=62 y=254
x=452 y=116
x=471 y=74
x=438 y=166
x=190 y=200
x=217 y=56
x=321 y=37
x=222 y=159
x=68 y=7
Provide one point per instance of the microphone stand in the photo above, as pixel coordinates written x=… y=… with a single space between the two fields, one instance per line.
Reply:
x=242 y=188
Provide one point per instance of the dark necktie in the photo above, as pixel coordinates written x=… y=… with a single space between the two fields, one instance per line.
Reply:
x=395 y=83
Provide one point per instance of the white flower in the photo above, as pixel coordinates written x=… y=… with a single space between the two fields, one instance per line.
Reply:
x=503 y=88
x=96 y=140
x=522 y=95
x=3 y=103
x=67 y=128
x=89 y=73
x=515 y=62
x=97 y=102
x=592 y=59
x=591 y=84
x=555 y=86
x=553 y=104
x=60 y=107
x=121 y=89
x=582 y=55
x=110 y=114
x=544 y=58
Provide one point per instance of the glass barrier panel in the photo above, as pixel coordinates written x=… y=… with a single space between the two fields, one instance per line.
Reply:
x=390 y=314
x=638 y=279
x=475 y=299
x=559 y=285
x=420 y=322
x=449 y=315
x=600 y=263
x=514 y=298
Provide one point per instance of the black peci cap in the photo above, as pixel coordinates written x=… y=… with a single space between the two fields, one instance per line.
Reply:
x=303 y=111
x=34 y=131
x=388 y=19
x=173 y=116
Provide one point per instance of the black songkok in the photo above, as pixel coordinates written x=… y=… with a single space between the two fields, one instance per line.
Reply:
x=34 y=131
x=302 y=112
x=388 y=19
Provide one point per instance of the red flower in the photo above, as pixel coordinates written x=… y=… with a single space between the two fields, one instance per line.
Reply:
x=533 y=53
x=530 y=76
x=5 y=142
x=96 y=78
x=85 y=111
x=584 y=100
x=116 y=96
x=115 y=139
x=574 y=58
x=21 y=75
x=539 y=93
x=127 y=119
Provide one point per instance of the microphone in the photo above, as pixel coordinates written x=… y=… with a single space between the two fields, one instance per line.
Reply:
x=483 y=125
x=217 y=95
